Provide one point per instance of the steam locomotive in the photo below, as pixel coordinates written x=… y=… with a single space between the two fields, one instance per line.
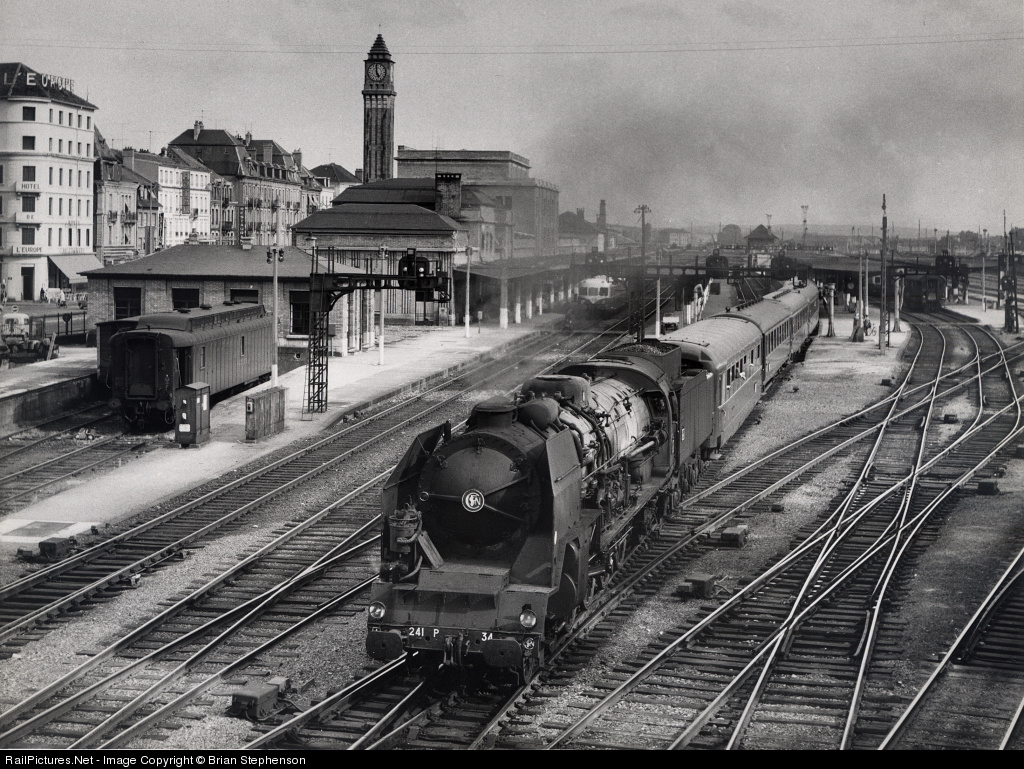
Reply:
x=496 y=539
x=226 y=347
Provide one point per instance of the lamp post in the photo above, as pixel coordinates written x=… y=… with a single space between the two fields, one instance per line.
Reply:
x=469 y=258
x=275 y=255
x=984 y=258
x=380 y=300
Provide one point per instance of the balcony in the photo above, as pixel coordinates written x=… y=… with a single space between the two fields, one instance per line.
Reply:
x=112 y=216
x=227 y=227
x=129 y=218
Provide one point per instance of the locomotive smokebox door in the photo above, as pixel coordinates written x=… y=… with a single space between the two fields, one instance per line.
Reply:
x=192 y=414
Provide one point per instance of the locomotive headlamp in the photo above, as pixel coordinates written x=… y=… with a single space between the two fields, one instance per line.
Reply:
x=527 y=618
x=377 y=610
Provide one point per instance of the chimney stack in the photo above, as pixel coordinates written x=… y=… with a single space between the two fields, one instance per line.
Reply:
x=298 y=157
x=448 y=194
x=579 y=213
x=602 y=220
x=196 y=130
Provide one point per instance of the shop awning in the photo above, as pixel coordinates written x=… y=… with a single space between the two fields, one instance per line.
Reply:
x=72 y=265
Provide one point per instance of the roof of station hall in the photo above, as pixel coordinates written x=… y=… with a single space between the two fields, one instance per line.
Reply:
x=419 y=190
x=375 y=218
x=209 y=261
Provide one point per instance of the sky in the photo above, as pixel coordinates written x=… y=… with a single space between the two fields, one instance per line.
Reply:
x=707 y=111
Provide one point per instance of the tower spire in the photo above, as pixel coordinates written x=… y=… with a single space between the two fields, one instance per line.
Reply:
x=378 y=112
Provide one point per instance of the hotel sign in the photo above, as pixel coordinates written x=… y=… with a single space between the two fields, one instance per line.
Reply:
x=39 y=79
x=49 y=250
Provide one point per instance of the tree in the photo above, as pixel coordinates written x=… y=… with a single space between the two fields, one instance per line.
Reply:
x=969 y=240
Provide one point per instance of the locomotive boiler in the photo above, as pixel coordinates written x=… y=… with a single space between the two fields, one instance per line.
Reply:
x=495 y=539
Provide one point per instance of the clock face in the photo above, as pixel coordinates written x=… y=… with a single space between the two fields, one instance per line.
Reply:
x=377 y=72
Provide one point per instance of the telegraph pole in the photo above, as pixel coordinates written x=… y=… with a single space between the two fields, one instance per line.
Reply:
x=1010 y=307
x=643 y=210
x=883 y=310
x=984 y=258
x=275 y=255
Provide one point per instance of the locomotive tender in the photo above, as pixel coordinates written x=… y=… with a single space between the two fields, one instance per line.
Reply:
x=496 y=539
x=226 y=347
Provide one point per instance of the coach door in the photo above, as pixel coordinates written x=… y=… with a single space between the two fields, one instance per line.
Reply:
x=183 y=364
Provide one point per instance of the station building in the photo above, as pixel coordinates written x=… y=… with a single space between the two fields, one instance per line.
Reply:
x=372 y=237
x=46 y=184
x=526 y=208
x=190 y=275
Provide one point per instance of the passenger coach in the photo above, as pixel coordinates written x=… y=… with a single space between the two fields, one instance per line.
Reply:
x=225 y=347
x=745 y=350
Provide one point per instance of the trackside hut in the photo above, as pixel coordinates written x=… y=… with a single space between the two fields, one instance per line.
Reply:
x=357 y=232
x=189 y=276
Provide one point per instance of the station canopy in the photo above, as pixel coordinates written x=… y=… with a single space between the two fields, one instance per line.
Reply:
x=73 y=265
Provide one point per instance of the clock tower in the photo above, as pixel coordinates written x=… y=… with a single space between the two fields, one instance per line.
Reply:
x=378 y=113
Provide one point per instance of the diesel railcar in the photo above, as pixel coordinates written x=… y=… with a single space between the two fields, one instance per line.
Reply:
x=602 y=297
x=496 y=539
x=226 y=347
x=924 y=293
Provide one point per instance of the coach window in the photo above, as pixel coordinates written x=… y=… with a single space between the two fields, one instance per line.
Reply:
x=245 y=295
x=184 y=298
x=243 y=345
x=202 y=357
x=127 y=302
x=299 y=304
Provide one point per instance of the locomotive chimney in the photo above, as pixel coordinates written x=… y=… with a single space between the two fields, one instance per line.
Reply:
x=493 y=412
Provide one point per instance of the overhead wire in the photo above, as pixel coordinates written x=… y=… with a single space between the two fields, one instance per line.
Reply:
x=555 y=50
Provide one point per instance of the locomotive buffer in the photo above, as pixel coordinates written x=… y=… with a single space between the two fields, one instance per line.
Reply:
x=415 y=273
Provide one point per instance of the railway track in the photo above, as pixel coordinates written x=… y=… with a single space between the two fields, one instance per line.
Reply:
x=73 y=580
x=29 y=438
x=974 y=699
x=275 y=592
x=75 y=456
x=468 y=717
x=454 y=725
x=784 y=649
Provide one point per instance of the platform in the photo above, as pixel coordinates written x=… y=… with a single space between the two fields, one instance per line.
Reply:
x=30 y=393
x=413 y=356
